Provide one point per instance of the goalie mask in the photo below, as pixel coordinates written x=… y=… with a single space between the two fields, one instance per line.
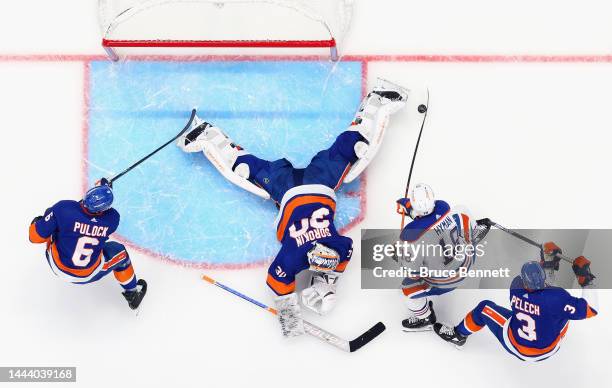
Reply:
x=323 y=258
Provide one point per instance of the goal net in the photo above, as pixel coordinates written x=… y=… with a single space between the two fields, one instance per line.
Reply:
x=224 y=23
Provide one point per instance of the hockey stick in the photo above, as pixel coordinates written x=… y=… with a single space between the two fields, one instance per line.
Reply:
x=416 y=148
x=523 y=238
x=113 y=179
x=315 y=331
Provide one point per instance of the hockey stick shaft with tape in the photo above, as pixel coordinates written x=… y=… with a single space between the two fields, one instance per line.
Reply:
x=311 y=329
x=416 y=149
x=525 y=239
x=116 y=177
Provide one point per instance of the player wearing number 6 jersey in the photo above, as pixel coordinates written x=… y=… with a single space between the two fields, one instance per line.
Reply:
x=307 y=203
x=76 y=234
x=534 y=327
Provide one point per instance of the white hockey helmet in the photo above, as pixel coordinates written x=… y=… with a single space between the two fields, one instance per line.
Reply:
x=422 y=200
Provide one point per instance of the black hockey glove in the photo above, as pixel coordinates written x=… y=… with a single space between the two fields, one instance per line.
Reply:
x=582 y=269
x=485 y=222
x=104 y=182
x=549 y=255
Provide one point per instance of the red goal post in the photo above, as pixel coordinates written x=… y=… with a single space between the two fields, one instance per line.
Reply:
x=224 y=24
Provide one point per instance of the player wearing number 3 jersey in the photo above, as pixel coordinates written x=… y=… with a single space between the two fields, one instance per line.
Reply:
x=76 y=234
x=538 y=319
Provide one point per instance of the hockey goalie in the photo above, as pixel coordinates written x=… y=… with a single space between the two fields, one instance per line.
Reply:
x=306 y=200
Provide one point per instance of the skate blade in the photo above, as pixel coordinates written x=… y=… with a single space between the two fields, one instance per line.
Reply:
x=458 y=347
x=136 y=311
x=423 y=329
x=454 y=345
x=196 y=122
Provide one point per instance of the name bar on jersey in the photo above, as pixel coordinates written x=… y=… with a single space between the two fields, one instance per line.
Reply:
x=90 y=230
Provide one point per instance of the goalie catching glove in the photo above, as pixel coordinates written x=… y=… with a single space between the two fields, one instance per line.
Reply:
x=483 y=226
x=320 y=297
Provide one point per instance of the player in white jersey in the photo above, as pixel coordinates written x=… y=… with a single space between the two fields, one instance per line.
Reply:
x=449 y=239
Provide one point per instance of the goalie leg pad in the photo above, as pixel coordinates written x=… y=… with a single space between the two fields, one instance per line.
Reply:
x=371 y=122
x=222 y=152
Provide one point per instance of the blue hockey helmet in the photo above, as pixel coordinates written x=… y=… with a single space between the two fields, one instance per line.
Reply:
x=98 y=199
x=533 y=275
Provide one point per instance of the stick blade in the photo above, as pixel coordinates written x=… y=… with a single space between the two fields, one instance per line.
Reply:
x=366 y=337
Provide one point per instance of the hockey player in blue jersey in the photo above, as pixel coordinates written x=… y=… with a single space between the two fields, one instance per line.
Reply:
x=76 y=235
x=435 y=223
x=538 y=319
x=306 y=200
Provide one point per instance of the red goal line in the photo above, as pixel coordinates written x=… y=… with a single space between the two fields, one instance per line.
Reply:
x=432 y=58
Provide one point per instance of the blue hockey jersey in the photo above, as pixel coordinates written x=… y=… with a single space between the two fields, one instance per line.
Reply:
x=306 y=216
x=541 y=318
x=74 y=238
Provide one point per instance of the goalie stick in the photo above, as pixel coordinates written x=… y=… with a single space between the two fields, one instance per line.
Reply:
x=416 y=149
x=116 y=177
x=490 y=223
x=311 y=329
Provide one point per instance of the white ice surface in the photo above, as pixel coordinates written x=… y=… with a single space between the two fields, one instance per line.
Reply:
x=532 y=136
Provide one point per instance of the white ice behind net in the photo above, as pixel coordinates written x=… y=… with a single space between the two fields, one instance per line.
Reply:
x=228 y=20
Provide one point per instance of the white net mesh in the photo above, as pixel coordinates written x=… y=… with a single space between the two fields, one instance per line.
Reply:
x=225 y=20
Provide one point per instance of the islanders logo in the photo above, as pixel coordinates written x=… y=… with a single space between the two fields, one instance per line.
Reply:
x=177 y=206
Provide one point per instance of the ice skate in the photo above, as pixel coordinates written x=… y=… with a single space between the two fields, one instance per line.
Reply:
x=135 y=297
x=414 y=323
x=449 y=334
x=190 y=141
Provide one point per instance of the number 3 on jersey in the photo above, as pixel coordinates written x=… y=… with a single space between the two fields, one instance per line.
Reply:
x=82 y=253
x=528 y=331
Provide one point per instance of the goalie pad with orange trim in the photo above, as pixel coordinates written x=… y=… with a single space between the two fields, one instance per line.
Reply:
x=222 y=152
x=372 y=120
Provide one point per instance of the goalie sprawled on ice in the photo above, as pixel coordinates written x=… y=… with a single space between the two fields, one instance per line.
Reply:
x=305 y=223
